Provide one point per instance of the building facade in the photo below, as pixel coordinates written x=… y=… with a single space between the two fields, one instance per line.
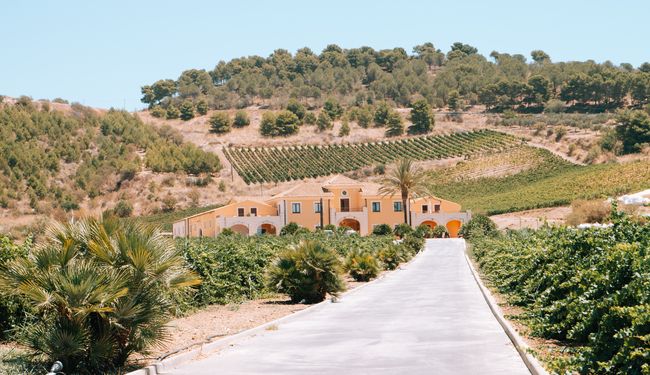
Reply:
x=340 y=201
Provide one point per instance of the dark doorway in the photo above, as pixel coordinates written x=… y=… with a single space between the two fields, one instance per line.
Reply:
x=345 y=204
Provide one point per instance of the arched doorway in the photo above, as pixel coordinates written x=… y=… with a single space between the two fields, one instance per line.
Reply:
x=350 y=223
x=430 y=223
x=453 y=227
x=267 y=229
x=240 y=228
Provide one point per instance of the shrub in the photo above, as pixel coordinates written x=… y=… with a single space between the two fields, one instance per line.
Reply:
x=187 y=110
x=267 y=124
x=333 y=108
x=13 y=308
x=123 y=209
x=585 y=211
x=296 y=108
x=324 y=121
x=202 y=107
x=379 y=169
x=169 y=203
x=173 y=112
x=158 y=112
x=220 y=123
x=413 y=243
x=392 y=255
x=554 y=106
x=394 y=126
x=560 y=132
x=439 y=231
x=310 y=118
x=382 y=111
x=403 y=229
x=289 y=229
x=478 y=225
x=307 y=273
x=100 y=291
x=286 y=123
x=382 y=230
x=241 y=119
x=423 y=231
x=344 y=131
x=362 y=265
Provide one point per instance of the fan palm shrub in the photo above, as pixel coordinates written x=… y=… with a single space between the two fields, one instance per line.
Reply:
x=362 y=265
x=103 y=290
x=307 y=272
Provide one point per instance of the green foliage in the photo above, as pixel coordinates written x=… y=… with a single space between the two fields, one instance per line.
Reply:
x=413 y=243
x=344 y=131
x=439 y=231
x=423 y=231
x=297 y=109
x=333 y=108
x=382 y=230
x=13 y=308
x=286 y=123
x=273 y=164
x=422 y=118
x=324 y=121
x=551 y=182
x=188 y=158
x=158 y=112
x=186 y=110
x=633 y=130
x=220 y=123
x=362 y=265
x=202 y=107
x=307 y=272
x=402 y=230
x=391 y=255
x=478 y=226
x=586 y=288
x=289 y=229
x=364 y=117
x=394 y=126
x=310 y=118
x=267 y=125
x=173 y=112
x=241 y=119
x=382 y=112
x=102 y=289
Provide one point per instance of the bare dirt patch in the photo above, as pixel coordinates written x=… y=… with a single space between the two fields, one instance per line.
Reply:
x=532 y=219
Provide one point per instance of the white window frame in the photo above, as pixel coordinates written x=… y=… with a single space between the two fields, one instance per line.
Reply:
x=318 y=205
x=251 y=211
x=243 y=210
x=296 y=204
x=401 y=209
x=372 y=206
x=425 y=211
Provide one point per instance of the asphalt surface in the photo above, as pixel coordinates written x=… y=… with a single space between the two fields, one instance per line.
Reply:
x=427 y=318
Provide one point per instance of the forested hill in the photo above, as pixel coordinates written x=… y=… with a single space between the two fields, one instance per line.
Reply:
x=363 y=75
x=55 y=159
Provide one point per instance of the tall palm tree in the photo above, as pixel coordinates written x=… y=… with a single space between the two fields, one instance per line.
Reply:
x=405 y=179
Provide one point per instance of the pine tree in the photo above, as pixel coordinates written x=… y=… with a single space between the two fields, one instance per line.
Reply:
x=394 y=126
x=220 y=123
x=345 y=129
x=421 y=117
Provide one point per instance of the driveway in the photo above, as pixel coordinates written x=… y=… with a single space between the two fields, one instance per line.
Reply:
x=427 y=318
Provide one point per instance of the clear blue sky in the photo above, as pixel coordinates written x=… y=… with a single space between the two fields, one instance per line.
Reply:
x=101 y=52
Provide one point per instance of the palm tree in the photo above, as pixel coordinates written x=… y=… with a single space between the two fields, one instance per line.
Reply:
x=103 y=289
x=405 y=179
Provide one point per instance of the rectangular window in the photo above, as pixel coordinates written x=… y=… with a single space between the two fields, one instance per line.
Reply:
x=425 y=208
x=295 y=208
x=376 y=207
x=240 y=212
x=317 y=207
x=397 y=206
x=436 y=208
x=253 y=211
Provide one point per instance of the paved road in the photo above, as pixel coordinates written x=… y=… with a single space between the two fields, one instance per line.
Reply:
x=428 y=318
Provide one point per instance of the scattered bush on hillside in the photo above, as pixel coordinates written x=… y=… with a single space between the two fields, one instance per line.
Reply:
x=158 y=112
x=394 y=126
x=362 y=265
x=310 y=118
x=324 y=121
x=173 y=112
x=589 y=211
x=297 y=109
x=220 y=123
x=202 y=107
x=186 y=110
x=382 y=111
x=333 y=108
x=307 y=273
x=123 y=208
x=344 y=131
x=422 y=118
x=241 y=119
x=633 y=130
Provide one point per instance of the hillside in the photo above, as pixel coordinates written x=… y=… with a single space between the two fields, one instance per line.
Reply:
x=75 y=159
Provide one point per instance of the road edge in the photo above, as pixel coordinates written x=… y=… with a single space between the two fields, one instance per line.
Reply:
x=158 y=368
x=533 y=365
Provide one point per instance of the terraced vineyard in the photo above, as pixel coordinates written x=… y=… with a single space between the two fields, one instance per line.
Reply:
x=276 y=164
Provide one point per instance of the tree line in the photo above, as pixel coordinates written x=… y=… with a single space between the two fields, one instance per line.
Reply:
x=360 y=76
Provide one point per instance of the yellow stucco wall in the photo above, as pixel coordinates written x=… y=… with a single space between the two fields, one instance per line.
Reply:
x=387 y=214
x=307 y=217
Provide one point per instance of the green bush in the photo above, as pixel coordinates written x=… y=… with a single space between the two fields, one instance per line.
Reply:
x=423 y=231
x=478 y=225
x=362 y=265
x=402 y=230
x=307 y=272
x=241 y=119
x=220 y=123
x=586 y=288
x=310 y=118
x=391 y=255
x=123 y=209
x=102 y=291
x=382 y=230
x=13 y=308
x=413 y=243
x=439 y=231
x=289 y=229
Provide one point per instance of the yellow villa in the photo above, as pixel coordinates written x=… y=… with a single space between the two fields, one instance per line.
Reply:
x=340 y=201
